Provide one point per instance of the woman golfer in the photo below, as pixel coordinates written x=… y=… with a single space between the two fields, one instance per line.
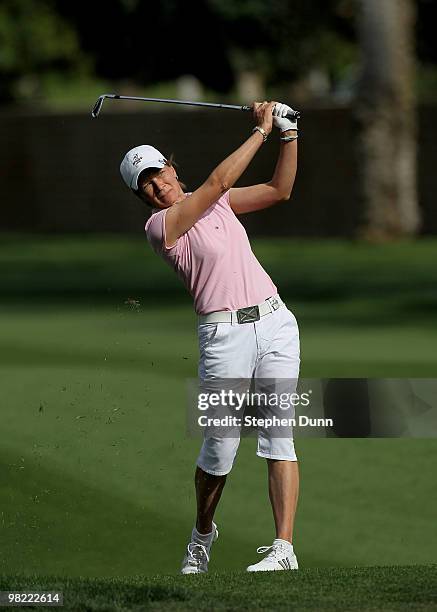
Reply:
x=245 y=330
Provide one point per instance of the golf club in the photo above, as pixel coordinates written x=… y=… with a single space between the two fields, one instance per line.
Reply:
x=98 y=105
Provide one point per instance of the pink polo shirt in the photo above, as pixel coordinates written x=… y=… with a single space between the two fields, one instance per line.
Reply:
x=214 y=259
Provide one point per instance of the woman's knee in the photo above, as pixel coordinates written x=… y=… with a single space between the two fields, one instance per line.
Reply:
x=217 y=455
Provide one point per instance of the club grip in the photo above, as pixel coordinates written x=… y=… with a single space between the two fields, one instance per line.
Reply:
x=292 y=115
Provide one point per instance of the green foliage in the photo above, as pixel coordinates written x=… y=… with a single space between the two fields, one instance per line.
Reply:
x=34 y=40
x=44 y=41
x=285 y=39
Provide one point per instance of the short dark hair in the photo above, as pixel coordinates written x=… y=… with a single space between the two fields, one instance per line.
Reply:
x=140 y=193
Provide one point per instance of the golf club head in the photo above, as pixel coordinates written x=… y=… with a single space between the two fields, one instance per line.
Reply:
x=98 y=105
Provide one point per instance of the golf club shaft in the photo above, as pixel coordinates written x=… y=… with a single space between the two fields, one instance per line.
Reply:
x=98 y=105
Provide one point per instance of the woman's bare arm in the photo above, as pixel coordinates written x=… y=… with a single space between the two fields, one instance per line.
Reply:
x=257 y=197
x=183 y=215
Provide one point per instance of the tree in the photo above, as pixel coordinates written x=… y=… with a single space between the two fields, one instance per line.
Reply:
x=282 y=40
x=385 y=109
x=147 y=42
x=34 y=40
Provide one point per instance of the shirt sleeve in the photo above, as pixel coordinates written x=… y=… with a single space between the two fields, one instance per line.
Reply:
x=155 y=232
x=224 y=199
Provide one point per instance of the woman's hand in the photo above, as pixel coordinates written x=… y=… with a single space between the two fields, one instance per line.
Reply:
x=280 y=120
x=263 y=115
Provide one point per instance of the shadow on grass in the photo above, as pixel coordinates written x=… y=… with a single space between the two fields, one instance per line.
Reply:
x=55 y=523
x=335 y=281
x=380 y=309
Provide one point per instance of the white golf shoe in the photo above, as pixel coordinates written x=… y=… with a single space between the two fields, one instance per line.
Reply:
x=280 y=556
x=197 y=556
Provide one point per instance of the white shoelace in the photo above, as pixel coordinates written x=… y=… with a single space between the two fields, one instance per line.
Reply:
x=276 y=550
x=196 y=553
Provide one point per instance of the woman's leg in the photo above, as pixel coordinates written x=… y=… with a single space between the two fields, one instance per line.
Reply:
x=283 y=492
x=277 y=373
x=208 y=492
x=214 y=463
x=221 y=359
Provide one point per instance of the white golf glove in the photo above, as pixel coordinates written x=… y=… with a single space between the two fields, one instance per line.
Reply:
x=279 y=119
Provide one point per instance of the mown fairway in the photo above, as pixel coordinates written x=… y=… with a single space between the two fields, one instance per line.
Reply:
x=391 y=589
x=96 y=468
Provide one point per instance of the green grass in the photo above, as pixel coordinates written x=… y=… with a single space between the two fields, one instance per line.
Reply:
x=363 y=310
x=96 y=470
x=365 y=589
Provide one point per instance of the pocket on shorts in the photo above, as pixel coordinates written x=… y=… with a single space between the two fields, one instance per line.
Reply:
x=293 y=318
x=206 y=334
x=280 y=322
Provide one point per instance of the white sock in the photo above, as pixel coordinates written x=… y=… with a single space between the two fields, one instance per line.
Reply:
x=286 y=542
x=202 y=538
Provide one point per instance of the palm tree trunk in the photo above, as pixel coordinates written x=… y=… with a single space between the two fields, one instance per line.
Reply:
x=385 y=109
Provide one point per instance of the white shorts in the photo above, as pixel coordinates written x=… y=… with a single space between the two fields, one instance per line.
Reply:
x=264 y=349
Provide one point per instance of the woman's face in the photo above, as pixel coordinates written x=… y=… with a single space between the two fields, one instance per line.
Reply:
x=161 y=187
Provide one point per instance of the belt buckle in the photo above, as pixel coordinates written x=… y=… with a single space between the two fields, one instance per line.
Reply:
x=248 y=315
x=274 y=303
